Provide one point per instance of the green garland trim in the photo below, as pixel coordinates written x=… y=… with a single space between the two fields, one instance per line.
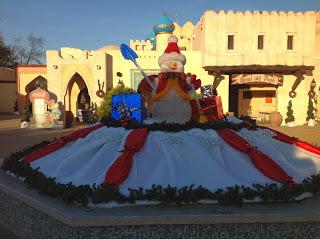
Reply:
x=83 y=194
x=174 y=127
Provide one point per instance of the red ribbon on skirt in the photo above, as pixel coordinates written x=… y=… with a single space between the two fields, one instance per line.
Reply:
x=120 y=169
x=59 y=143
x=292 y=140
x=262 y=162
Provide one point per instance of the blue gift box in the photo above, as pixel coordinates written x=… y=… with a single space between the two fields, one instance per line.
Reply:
x=127 y=106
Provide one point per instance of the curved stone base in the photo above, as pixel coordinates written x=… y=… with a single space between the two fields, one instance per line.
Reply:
x=35 y=216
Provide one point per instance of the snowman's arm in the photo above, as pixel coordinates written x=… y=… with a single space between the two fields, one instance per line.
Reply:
x=193 y=82
x=145 y=86
x=155 y=85
x=188 y=80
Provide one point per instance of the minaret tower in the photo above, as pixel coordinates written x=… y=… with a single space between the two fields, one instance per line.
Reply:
x=152 y=38
x=163 y=29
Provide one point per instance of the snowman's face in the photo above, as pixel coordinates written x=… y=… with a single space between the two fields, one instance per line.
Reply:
x=172 y=66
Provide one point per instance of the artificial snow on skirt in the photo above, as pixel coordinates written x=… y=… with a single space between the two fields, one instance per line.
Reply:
x=141 y=158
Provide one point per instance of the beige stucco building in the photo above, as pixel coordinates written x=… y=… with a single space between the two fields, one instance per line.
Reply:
x=7 y=90
x=268 y=53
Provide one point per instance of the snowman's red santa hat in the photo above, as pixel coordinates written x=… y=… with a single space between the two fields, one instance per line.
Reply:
x=172 y=52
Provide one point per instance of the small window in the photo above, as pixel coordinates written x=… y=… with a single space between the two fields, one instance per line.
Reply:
x=247 y=95
x=290 y=42
x=260 y=42
x=230 y=42
x=182 y=48
x=270 y=94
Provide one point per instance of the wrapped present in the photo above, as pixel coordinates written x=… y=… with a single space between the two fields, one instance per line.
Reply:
x=212 y=107
x=208 y=91
x=127 y=107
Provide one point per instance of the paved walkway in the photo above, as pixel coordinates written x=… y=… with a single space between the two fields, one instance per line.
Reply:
x=13 y=138
x=304 y=132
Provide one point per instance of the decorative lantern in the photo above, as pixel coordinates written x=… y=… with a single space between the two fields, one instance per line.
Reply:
x=292 y=94
x=311 y=92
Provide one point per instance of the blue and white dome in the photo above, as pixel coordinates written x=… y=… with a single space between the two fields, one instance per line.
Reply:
x=164 y=25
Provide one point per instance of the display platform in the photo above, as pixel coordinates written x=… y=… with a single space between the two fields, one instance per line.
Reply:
x=32 y=215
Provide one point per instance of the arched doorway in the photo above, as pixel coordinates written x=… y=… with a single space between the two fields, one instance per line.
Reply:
x=77 y=97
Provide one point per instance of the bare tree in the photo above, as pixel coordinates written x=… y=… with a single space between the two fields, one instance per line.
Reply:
x=29 y=51
x=7 y=57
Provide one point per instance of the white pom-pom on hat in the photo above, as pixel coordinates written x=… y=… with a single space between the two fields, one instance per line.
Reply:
x=172 y=52
x=173 y=38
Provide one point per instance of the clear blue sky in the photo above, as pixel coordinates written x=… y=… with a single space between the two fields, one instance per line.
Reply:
x=91 y=24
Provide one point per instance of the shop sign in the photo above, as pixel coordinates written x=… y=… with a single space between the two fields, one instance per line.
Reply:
x=39 y=94
x=274 y=79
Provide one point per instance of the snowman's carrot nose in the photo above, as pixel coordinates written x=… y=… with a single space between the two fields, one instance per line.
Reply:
x=173 y=65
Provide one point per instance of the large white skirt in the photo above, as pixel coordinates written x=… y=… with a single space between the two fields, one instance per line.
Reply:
x=194 y=157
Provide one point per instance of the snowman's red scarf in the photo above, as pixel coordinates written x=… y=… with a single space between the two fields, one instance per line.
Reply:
x=163 y=81
x=164 y=77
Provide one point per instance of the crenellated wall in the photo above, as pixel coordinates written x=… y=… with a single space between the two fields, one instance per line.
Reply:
x=141 y=45
x=211 y=33
x=184 y=34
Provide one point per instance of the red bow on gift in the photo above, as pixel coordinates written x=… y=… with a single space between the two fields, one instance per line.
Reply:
x=195 y=82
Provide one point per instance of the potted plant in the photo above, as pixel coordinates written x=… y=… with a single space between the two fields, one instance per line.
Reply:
x=316 y=111
x=25 y=120
x=290 y=117
x=310 y=113
x=275 y=118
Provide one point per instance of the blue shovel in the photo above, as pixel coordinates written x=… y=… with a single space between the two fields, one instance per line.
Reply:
x=130 y=54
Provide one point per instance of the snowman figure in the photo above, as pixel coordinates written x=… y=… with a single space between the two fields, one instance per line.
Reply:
x=172 y=88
